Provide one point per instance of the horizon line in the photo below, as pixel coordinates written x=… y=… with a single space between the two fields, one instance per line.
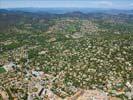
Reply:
x=67 y=8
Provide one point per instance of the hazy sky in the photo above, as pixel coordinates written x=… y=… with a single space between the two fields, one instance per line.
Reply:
x=117 y=4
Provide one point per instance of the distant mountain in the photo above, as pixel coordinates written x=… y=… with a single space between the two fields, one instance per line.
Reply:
x=18 y=16
x=3 y=11
x=57 y=10
x=70 y=10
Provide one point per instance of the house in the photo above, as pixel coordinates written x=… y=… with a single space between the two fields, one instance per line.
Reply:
x=9 y=67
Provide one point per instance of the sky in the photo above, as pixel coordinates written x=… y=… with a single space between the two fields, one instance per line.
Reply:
x=115 y=4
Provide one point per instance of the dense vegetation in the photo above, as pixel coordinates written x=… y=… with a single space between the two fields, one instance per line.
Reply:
x=91 y=50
